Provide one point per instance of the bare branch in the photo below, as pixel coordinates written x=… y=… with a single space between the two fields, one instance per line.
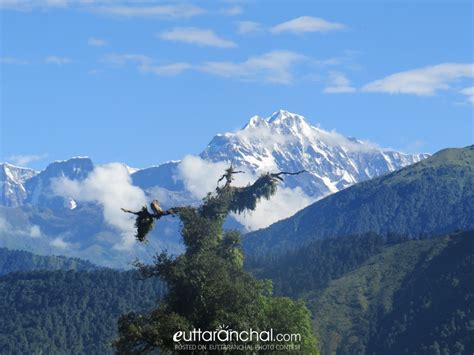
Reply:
x=277 y=175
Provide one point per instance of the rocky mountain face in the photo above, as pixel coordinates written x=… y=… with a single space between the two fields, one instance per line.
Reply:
x=39 y=188
x=286 y=141
x=12 y=184
x=428 y=198
x=283 y=141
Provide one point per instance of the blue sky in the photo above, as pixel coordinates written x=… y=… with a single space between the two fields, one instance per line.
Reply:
x=148 y=81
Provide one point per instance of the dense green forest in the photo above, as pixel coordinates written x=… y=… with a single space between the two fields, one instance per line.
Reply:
x=416 y=297
x=19 y=260
x=374 y=292
x=311 y=268
x=375 y=295
x=432 y=197
x=433 y=309
x=69 y=312
x=367 y=294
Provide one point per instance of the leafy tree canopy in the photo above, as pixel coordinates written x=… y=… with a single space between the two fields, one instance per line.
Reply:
x=207 y=286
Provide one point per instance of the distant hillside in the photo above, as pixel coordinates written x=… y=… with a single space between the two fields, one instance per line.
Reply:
x=18 y=260
x=431 y=197
x=313 y=266
x=69 y=312
x=415 y=297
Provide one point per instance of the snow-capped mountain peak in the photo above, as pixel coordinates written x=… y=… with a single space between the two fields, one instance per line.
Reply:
x=17 y=173
x=286 y=127
x=282 y=141
x=39 y=188
x=284 y=117
x=12 y=180
x=254 y=122
x=287 y=141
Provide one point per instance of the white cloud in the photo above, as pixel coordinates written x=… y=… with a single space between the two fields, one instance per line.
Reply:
x=96 y=42
x=24 y=160
x=273 y=67
x=35 y=231
x=423 y=81
x=118 y=8
x=338 y=84
x=285 y=203
x=334 y=138
x=200 y=176
x=167 y=69
x=164 y=11
x=246 y=27
x=4 y=225
x=9 y=4
x=28 y=5
x=146 y=64
x=57 y=3
x=13 y=60
x=232 y=11
x=265 y=136
x=109 y=185
x=122 y=59
x=57 y=60
x=415 y=146
x=469 y=92
x=60 y=243
x=307 y=24
x=197 y=36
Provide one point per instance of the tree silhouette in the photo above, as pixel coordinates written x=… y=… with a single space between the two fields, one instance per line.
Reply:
x=207 y=287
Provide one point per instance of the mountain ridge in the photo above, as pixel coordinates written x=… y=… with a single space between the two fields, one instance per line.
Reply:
x=286 y=141
x=282 y=142
x=433 y=196
x=12 y=180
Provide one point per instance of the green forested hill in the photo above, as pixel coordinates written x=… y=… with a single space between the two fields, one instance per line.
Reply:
x=368 y=295
x=432 y=197
x=369 y=290
x=19 y=260
x=415 y=297
x=68 y=312
x=313 y=266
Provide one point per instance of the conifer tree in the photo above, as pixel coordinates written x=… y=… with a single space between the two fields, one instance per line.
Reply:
x=207 y=287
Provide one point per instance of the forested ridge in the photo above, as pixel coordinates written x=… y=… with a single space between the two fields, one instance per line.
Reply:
x=20 y=260
x=69 y=312
x=433 y=309
x=367 y=294
x=375 y=292
x=374 y=295
x=310 y=268
x=426 y=199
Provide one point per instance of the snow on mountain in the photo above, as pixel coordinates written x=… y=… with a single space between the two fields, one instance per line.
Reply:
x=163 y=175
x=12 y=184
x=286 y=141
x=39 y=188
x=282 y=142
x=130 y=169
